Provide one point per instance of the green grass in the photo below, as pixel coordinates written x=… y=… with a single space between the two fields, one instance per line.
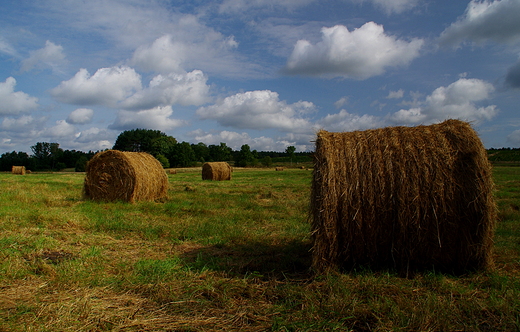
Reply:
x=230 y=255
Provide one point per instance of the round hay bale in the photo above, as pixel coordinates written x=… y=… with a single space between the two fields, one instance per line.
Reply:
x=409 y=198
x=172 y=171
x=128 y=176
x=19 y=170
x=279 y=169
x=216 y=171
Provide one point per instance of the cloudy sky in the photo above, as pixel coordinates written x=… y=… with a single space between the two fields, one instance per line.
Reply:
x=268 y=73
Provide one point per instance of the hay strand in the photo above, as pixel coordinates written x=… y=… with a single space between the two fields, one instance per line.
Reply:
x=216 y=171
x=19 y=170
x=128 y=176
x=402 y=197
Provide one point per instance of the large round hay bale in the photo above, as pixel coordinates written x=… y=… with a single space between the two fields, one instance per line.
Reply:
x=20 y=170
x=409 y=198
x=217 y=171
x=128 y=176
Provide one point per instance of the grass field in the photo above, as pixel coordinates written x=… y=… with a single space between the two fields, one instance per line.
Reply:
x=222 y=256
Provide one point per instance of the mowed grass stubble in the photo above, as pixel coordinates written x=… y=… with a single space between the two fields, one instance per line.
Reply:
x=220 y=256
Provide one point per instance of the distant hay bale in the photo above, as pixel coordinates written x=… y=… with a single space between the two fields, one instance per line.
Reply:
x=172 y=171
x=216 y=171
x=20 y=170
x=128 y=176
x=408 y=198
x=279 y=169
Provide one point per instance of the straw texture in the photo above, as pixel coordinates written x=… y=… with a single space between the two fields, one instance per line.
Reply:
x=128 y=176
x=216 y=171
x=408 y=198
x=20 y=170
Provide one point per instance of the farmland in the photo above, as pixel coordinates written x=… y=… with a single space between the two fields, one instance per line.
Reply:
x=220 y=256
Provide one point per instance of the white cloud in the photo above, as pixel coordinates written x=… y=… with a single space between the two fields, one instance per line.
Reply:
x=259 y=110
x=454 y=101
x=12 y=102
x=50 y=56
x=199 y=47
x=61 y=129
x=183 y=89
x=80 y=116
x=6 y=48
x=107 y=87
x=235 y=140
x=360 y=54
x=514 y=137
x=157 y=118
x=485 y=21
x=342 y=101
x=395 y=94
x=345 y=121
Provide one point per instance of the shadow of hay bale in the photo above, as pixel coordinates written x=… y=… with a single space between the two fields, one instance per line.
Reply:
x=270 y=261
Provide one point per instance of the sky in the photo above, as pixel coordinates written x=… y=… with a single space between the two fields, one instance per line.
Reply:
x=267 y=73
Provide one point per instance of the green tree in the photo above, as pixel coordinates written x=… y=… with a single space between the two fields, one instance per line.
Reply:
x=201 y=151
x=220 y=152
x=182 y=155
x=10 y=159
x=46 y=154
x=290 y=152
x=154 y=142
x=267 y=161
x=245 y=157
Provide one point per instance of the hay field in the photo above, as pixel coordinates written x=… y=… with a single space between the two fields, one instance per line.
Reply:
x=224 y=255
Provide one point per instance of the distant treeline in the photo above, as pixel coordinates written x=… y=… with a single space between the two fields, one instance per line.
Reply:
x=504 y=155
x=50 y=157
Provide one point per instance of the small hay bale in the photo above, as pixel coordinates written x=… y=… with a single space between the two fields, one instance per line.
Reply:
x=128 y=176
x=216 y=171
x=279 y=169
x=406 y=198
x=172 y=171
x=20 y=170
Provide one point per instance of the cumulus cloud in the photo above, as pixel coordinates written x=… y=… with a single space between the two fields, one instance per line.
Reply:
x=235 y=140
x=485 y=21
x=50 y=56
x=80 y=116
x=157 y=118
x=395 y=94
x=107 y=87
x=183 y=89
x=365 y=52
x=62 y=129
x=345 y=121
x=457 y=100
x=208 y=50
x=12 y=102
x=259 y=110
x=513 y=76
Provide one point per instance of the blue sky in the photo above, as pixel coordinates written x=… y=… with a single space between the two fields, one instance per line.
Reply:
x=268 y=73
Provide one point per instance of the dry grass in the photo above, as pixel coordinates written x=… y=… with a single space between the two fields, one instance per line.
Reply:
x=408 y=198
x=216 y=171
x=20 y=170
x=128 y=176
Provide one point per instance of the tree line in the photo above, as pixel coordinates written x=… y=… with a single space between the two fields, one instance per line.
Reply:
x=170 y=153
